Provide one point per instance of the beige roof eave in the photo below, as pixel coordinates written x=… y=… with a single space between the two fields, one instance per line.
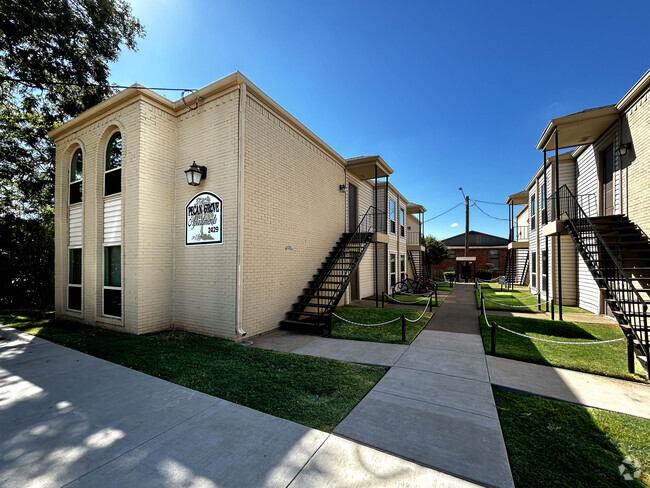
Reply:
x=414 y=208
x=577 y=129
x=519 y=198
x=363 y=167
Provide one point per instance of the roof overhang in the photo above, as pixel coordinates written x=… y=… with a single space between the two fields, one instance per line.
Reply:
x=577 y=129
x=519 y=198
x=414 y=208
x=364 y=167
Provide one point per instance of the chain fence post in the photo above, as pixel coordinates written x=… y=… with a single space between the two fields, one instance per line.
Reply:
x=552 y=308
x=403 y=328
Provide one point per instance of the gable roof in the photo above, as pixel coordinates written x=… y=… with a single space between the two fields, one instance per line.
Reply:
x=487 y=240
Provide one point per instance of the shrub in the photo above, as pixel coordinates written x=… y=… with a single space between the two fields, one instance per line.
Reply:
x=450 y=275
x=484 y=274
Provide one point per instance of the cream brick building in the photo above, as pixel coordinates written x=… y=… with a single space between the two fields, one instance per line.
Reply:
x=275 y=201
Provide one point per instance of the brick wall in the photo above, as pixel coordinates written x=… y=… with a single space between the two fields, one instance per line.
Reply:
x=482 y=255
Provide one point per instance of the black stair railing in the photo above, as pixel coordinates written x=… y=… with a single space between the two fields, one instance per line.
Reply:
x=335 y=276
x=626 y=302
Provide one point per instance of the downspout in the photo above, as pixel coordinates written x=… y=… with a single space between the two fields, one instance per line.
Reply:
x=240 y=210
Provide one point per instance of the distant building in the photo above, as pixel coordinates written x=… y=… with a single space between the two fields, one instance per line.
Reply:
x=486 y=248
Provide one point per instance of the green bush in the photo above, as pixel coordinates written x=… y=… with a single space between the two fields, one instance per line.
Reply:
x=450 y=275
x=484 y=274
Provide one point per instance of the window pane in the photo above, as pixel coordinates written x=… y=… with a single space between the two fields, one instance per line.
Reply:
x=75 y=192
x=113 y=266
x=74 y=297
x=74 y=275
x=392 y=210
x=76 y=166
x=114 y=152
x=113 y=182
x=392 y=263
x=113 y=302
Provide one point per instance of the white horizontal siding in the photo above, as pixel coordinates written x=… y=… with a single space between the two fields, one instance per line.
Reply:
x=587 y=184
x=76 y=227
x=113 y=221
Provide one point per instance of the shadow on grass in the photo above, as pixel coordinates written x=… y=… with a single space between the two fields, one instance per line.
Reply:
x=553 y=443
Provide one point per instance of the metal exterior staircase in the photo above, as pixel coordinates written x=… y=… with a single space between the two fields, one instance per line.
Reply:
x=419 y=264
x=511 y=266
x=314 y=308
x=617 y=253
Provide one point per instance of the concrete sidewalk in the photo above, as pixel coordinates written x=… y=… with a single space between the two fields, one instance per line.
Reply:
x=69 y=419
x=572 y=386
x=435 y=406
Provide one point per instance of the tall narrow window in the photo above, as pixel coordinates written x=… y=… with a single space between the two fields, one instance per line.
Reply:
x=76 y=175
x=544 y=270
x=533 y=214
x=393 y=275
x=533 y=270
x=402 y=267
x=113 y=168
x=401 y=222
x=74 y=279
x=392 y=216
x=494 y=258
x=542 y=203
x=113 y=281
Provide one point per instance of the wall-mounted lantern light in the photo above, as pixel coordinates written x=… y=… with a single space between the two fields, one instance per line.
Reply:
x=623 y=148
x=342 y=188
x=195 y=174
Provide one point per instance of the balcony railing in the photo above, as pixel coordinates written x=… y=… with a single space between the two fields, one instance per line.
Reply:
x=522 y=233
x=414 y=238
x=368 y=222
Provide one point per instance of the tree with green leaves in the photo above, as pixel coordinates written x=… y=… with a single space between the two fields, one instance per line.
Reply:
x=435 y=251
x=54 y=64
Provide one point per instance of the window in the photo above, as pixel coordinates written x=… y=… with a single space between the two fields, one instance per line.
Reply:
x=478 y=240
x=113 y=169
x=533 y=270
x=392 y=271
x=392 y=216
x=401 y=222
x=74 y=279
x=113 y=281
x=542 y=202
x=76 y=175
x=494 y=258
x=402 y=267
x=544 y=270
x=452 y=254
x=533 y=214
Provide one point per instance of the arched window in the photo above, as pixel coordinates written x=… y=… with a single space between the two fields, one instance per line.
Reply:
x=113 y=168
x=76 y=175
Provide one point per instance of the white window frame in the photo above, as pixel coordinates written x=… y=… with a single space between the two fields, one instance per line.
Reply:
x=105 y=287
x=74 y=285
x=544 y=272
x=533 y=211
x=402 y=267
x=114 y=169
x=402 y=219
x=392 y=271
x=70 y=183
x=533 y=269
x=392 y=208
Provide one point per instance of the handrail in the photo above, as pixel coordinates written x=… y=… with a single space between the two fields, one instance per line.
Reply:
x=369 y=227
x=575 y=212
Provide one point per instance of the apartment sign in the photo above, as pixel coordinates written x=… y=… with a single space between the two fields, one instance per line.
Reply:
x=203 y=220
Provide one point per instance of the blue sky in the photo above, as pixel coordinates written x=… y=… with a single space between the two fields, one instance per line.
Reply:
x=450 y=94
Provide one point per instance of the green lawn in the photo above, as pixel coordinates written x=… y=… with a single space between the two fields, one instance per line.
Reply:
x=391 y=333
x=605 y=359
x=312 y=391
x=514 y=297
x=556 y=444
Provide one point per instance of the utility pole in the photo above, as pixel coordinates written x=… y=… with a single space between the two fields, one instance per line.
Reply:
x=466 y=233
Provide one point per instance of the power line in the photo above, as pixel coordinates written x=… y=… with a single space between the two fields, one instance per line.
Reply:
x=487 y=214
x=446 y=211
x=90 y=85
x=491 y=203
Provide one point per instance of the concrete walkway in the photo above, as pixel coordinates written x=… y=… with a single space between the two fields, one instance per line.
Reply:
x=435 y=406
x=572 y=386
x=69 y=419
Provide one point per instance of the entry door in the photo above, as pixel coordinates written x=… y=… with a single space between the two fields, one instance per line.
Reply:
x=607 y=185
x=352 y=209
x=353 y=218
